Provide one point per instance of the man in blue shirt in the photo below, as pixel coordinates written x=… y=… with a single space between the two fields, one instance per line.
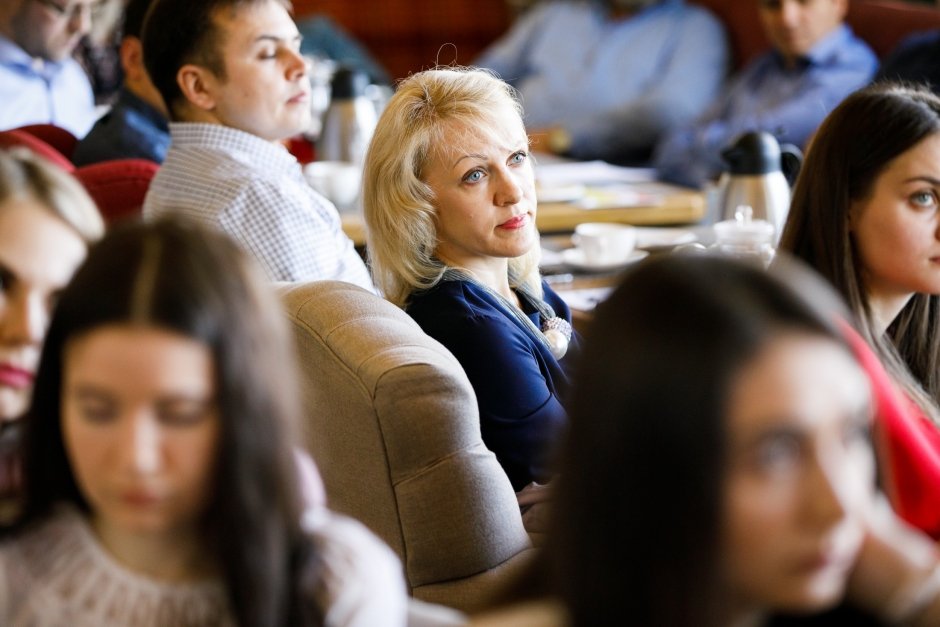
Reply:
x=604 y=79
x=136 y=126
x=816 y=61
x=39 y=81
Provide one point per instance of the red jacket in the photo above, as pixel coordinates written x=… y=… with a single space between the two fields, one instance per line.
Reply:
x=908 y=444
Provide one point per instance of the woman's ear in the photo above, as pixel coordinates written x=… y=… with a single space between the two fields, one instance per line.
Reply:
x=197 y=84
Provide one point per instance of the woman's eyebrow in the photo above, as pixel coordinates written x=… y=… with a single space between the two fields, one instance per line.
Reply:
x=926 y=179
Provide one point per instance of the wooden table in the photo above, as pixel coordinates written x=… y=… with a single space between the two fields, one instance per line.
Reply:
x=678 y=206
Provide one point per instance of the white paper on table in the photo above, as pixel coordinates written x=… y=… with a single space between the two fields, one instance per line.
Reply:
x=590 y=173
x=614 y=196
x=585 y=299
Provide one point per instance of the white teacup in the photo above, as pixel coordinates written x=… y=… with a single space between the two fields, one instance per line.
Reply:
x=604 y=243
x=339 y=181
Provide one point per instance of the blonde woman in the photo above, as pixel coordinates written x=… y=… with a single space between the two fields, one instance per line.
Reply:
x=47 y=221
x=450 y=206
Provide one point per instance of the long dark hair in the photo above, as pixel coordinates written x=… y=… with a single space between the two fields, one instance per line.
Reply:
x=851 y=149
x=177 y=276
x=638 y=513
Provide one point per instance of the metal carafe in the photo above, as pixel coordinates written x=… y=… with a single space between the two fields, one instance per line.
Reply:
x=755 y=178
x=350 y=119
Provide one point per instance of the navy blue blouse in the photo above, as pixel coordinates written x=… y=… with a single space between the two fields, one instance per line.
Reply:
x=519 y=384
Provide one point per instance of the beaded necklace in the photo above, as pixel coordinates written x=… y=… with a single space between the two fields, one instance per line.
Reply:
x=555 y=333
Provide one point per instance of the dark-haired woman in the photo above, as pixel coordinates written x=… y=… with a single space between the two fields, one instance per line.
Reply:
x=866 y=215
x=161 y=483
x=718 y=470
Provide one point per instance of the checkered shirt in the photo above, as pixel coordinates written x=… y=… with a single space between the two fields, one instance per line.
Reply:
x=255 y=191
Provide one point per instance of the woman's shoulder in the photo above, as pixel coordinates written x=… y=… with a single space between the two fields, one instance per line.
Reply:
x=450 y=301
x=362 y=580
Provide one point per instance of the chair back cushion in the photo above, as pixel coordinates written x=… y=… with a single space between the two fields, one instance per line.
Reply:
x=118 y=187
x=393 y=424
x=16 y=138
x=56 y=136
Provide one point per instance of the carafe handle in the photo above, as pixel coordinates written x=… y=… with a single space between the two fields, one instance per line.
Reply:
x=791 y=160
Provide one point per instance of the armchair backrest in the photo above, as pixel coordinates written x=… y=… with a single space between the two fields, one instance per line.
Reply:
x=392 y=422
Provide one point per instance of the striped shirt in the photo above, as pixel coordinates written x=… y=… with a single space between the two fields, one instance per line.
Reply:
x=255 y=191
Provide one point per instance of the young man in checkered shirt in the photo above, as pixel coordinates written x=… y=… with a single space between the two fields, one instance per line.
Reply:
x=235 y=85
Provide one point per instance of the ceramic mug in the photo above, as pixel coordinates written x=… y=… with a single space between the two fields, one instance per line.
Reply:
x=339 y=181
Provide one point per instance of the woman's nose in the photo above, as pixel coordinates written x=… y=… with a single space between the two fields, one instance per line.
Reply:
x=140 y=444
x=830 y=493
x=23 y=319
x=508 y=191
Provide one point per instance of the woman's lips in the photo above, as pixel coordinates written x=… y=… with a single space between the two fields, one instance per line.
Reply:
x=14 y=377
x=827 y=560
x=140 y=498
x=515 y=223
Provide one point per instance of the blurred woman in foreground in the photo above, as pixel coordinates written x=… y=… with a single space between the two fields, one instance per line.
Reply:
x=47 y=221
x=161 y=486
x=719 y=470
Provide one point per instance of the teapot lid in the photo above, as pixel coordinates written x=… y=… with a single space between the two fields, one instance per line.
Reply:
x=348 y=83
x=755 y=152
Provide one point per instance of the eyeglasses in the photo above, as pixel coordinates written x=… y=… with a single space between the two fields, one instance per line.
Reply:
x=71 y=11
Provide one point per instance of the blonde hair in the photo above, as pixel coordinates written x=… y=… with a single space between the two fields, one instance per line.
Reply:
x=399 y=206
x=24 y=175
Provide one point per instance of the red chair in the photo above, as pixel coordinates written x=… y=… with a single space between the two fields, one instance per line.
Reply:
x=118 y=187
x=17 y=138
x=55 y=136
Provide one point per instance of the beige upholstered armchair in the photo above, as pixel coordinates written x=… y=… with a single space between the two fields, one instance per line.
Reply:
x=393 y=425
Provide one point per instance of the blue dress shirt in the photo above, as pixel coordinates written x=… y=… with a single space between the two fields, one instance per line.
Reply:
x=518 y=382
x=615 y=85
x=769 y=96
x=132 y=129
x=35 y=91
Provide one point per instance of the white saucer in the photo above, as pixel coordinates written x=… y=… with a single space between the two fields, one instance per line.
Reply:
x=574 y=257
x=653 y=238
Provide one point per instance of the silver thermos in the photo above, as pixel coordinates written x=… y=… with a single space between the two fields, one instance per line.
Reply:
x=755 y=178
x=349 y=120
